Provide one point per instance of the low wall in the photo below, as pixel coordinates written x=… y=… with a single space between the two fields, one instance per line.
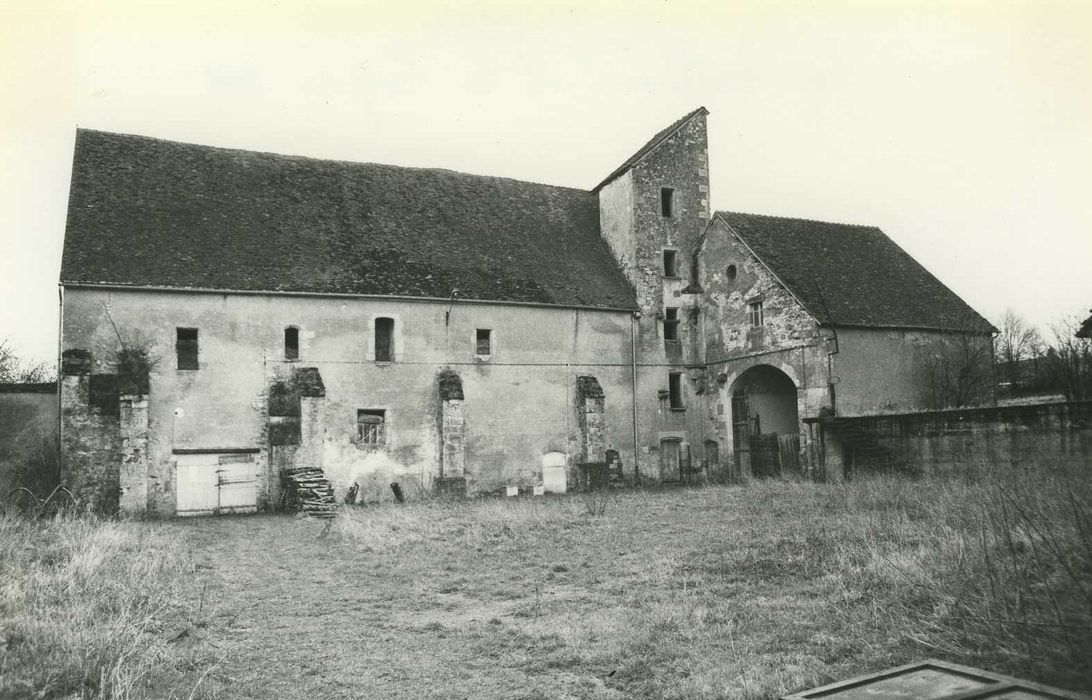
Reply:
x=28 y=434
x=975 y=439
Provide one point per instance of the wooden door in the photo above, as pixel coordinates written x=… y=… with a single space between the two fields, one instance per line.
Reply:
x=669 y=460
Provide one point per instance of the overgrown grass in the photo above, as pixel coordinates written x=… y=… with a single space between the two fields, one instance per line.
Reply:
x=747 y=592
x=87 y=606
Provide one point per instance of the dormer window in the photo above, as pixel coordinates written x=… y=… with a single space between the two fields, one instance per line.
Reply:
x=667 y=202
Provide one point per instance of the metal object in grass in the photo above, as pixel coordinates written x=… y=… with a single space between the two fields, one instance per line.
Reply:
x=935 y=680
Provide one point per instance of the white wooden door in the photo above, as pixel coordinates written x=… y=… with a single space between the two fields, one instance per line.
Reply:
x=212 y=483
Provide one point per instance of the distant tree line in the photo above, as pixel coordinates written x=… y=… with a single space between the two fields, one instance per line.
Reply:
x=15 y=370
x=1029 y=365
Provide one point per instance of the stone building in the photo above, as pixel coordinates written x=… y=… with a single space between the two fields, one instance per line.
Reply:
x=441 y=329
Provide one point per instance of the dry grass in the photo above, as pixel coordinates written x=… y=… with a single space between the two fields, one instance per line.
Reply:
x=715 y=592
x=87 y=606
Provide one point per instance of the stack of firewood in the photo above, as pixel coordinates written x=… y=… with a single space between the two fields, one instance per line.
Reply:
x=308 y=490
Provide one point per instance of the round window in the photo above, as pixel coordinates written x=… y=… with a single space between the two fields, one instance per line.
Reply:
x=731 y=273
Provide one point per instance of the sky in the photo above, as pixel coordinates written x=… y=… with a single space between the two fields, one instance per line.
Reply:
x=963 y=130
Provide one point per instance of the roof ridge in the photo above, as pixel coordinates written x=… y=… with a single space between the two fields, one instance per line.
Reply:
x=649 y=146
x=297 y=157
x=798 y=218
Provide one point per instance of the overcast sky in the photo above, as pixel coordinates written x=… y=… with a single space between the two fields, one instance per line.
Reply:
x=964 y=130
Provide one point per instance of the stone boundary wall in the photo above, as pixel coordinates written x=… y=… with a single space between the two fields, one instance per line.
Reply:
x=28 y=436
x=974 y=440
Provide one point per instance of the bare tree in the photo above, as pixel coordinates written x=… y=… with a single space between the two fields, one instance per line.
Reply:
x=14 y=370
x=1017 y=342
x=1069 y=360
x=956 y=369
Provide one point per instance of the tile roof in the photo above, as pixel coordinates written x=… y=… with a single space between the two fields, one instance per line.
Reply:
x=148 y=212
x=853 y=275
x=648 y=147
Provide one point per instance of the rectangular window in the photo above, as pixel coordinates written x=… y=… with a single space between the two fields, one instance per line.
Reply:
x=384 y=339
x=370 y=426
x=291 y=343
x=674 y=391
x=667 y=202
x=483 y=346
x=671 y=323
x=186 y=347
x=755 y=312
x=671 y=264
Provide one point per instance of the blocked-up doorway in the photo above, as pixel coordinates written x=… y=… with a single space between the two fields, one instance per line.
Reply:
x=765 y=422
x=216 y=482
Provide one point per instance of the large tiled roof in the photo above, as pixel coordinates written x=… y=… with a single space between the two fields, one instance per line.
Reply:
x=148 y=212
x=852 y=275
x=649 y=147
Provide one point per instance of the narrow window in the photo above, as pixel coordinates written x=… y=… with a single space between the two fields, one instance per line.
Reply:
x=370 y=424
x=671 y=264
x=667 y=202
x=674 y=391
x=291 y=343
x=384 y=339
x=730 y=273
x=671 y=323
x=755 y=311
x=186 y=347
x=483 y=346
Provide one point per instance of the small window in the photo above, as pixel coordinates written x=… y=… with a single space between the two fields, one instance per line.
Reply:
x=667 y=202
x=671 y=323
x=384 y=339
x=370 y=426
x=754 y=309
x=291 y=343
x=186 y=347
x=674 y=391
x=483 y=346
x=671 y=263
x=730 y=273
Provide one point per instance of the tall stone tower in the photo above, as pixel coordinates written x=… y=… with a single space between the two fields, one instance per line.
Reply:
x=652 y=212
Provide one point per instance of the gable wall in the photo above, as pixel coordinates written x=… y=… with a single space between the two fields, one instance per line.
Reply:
x=519 y=404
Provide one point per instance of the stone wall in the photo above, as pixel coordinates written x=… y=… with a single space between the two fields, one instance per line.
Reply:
x=28 y=437
x=973 y=440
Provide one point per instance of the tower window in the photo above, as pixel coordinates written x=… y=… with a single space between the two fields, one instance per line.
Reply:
x=671 y=263
x=667 y=202
x=186 y=347
x=671 y=323
x=674 y=391
x=291 y=343
x=384 y=339
x=754 y=310
x=483 y=345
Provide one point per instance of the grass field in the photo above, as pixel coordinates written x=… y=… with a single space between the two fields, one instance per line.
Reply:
x=709 y=592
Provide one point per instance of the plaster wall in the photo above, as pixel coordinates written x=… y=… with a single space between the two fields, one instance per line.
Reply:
x=519 y=403
x=881 y=371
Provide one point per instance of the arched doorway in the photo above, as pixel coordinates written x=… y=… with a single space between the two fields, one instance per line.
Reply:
x=765 y=422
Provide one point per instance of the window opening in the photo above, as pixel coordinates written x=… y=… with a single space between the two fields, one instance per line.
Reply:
x=384 y=339
x=730 y=273
x=291 y=343
x=671 y=264
x=667 y=202
x=483 y=342
x=186 y=347
x=674 y=391
x=671 y=323
x=756 y=314
x=370 y=426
